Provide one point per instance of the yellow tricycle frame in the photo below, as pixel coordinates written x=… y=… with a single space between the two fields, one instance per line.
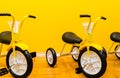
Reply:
x=15 y=36
x=87 y=42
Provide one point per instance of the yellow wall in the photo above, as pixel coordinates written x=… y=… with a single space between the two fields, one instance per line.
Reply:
x=54 y=17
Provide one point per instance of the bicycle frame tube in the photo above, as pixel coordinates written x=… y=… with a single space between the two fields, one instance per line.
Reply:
x=95 y=23
x=21 y=23
x=23 y=19
x=13 y=35
x=111 y=47
x=64 y=54
x=89 y=24
x=113 y=44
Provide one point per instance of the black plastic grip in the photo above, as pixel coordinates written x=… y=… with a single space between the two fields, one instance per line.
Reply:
x=31 y=16
x=5 y=14
x=104 y=18
x=85 y=16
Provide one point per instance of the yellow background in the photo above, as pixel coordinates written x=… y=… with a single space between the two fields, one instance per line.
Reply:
x=54 y=17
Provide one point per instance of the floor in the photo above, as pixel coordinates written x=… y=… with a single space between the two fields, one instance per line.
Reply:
x=65 y=67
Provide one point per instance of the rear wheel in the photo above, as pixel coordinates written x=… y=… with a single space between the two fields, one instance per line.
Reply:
x=75 y=53
x=51 y=57
x=19 y=64
x=94 y=64
x=117 y=51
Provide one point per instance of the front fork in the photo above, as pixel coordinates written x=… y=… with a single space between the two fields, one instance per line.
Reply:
x=88 y=51
x=14 y=52
x=89 y=41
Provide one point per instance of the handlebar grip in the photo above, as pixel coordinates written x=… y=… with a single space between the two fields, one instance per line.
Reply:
x=5 y=14
x=31 y=16
x=104 y=18
x=85 y=16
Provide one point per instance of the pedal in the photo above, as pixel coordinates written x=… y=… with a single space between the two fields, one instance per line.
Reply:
x=78 y=70
x=33 y=54
x=3 y=71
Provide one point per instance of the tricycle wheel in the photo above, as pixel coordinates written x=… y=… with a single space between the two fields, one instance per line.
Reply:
x=75 y=53
x=117 y=51
x=20 y=63
x=93 y=64
x=51 y=57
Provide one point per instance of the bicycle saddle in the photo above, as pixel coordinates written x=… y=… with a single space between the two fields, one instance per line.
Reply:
x=5 y=37
x=70 y=37
x=115 y=36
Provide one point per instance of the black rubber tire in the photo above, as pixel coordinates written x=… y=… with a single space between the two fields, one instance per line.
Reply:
x=28 y=60
x=103 y=62
x=73 y=55
x=116 y=52
x=54 y=57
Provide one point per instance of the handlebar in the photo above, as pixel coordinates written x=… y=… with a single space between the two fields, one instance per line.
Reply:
x=104 y=18
x=31 y=16
x=85 y=16
x=88 y=16
x=5 y=14
x=25 y=17
x=89 y=30
x=8 y=14
x=13 y=20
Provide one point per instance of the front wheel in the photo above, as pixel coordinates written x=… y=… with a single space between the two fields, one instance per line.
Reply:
x=20 y=63
x=93 y=64
x=117 y=51
x=51 y=57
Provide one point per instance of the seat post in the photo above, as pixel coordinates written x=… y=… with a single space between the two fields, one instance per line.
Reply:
x=111 y=47
x=62 y=49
